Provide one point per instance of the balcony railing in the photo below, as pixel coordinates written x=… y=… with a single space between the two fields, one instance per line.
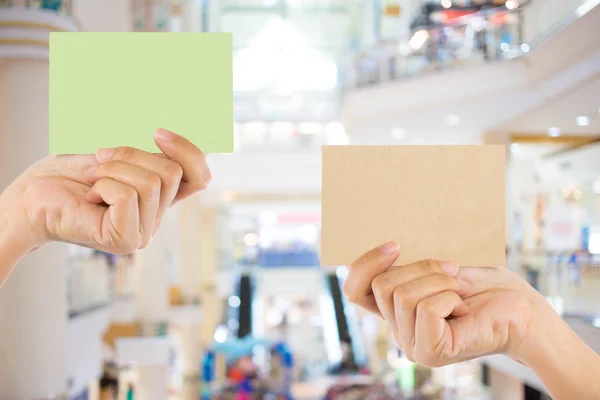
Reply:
x=62 y=7
x=487 y=36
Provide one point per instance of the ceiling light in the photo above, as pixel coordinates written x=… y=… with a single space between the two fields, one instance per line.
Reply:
x=255 y=129
x=446 y=3
x=279 y=129
x=452 y=119
x=504 y=46
x=554 y=132
x=398 y=133
x=525 y=48
x=582 y=120
x=515 y=148
x=310 y=128
x=511 y=4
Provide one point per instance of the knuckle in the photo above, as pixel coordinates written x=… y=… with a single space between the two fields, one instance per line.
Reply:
x=402 y=298
x=173 y=173
x=430 y=265
x=151 y=185
x=379 y=285
x=128 y=194
x=124 y=153
x=424 y=357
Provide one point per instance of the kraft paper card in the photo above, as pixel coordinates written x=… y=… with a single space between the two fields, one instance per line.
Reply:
x=116 y=89
x=438 y=202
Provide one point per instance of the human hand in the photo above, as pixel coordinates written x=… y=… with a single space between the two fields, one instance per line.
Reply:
x=112 y=201
x=440 y=314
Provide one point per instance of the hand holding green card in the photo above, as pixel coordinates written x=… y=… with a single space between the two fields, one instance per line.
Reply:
x=115 y=89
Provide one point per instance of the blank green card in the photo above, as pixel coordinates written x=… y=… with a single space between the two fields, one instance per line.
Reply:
x=116 y=89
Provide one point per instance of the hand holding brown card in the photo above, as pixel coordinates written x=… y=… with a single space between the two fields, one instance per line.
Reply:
x=437 y=202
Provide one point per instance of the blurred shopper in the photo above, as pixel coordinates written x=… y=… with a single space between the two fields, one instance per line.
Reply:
x=442 y=314
x=113 y=201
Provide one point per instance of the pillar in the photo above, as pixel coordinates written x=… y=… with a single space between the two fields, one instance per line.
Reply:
x=151 y=306
x=190 y=258
x=151 y=382
x=33 y=302
x=191 y=15
x=211 y=307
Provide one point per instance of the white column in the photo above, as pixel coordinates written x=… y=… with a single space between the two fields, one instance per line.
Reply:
x=191 y=15
x=151 y=307
x=152 y=382
x=191 y=350
x=190 y=258
x=33 y=305
x=151 y=287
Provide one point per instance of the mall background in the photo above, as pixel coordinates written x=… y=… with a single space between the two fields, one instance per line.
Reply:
x=241 y=260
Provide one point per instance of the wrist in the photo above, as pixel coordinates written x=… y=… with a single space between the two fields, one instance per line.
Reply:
x=17 y=237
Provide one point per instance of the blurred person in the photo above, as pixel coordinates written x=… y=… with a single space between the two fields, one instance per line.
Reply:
x=440 y=314
x=112 y=201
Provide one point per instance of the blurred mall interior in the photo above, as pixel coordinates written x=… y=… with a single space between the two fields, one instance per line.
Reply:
x=231 y=287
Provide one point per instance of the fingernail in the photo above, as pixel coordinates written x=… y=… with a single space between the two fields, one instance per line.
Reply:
x=104 y=154
x=450 y=268
x=164 y=135
x=389 y=248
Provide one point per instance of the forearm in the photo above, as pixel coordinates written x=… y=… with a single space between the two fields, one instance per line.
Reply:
x=567 y=367
x=14 y=243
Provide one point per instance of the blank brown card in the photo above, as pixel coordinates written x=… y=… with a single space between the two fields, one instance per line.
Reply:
x=438 y=202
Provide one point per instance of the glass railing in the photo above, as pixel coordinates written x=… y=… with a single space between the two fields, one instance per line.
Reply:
x=486 y=36
x=63 y=7
x=569 y=280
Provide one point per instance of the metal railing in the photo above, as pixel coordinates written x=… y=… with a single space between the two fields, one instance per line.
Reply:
x=486 y=36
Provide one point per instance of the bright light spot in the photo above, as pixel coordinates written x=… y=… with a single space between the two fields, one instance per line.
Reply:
x=512 y=4
x=418 y=39
x=515 y=148
x=233 y=324
x=554 y=132
x=525 y=48
x=446 y=3
x=504 y=46
x=586 y=7
x=268 y=218
x=307 y=234
x=582 y=120
x=336 y=134
x=310 y=128
x=255 y=129
x=398 y=133
x=227 y=196
x=281 y=129
x=234 y=301
x=577 y=194
x=341 y=273
x=452 y=119
x=251 y=239
x=220 y=335
x=594 y=243
x=597 y=187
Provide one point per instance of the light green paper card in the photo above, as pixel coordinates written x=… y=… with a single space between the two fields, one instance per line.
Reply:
x=116 y=89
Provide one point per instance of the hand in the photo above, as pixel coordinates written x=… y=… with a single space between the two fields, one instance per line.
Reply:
x=442 y=314
x=112 y=201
